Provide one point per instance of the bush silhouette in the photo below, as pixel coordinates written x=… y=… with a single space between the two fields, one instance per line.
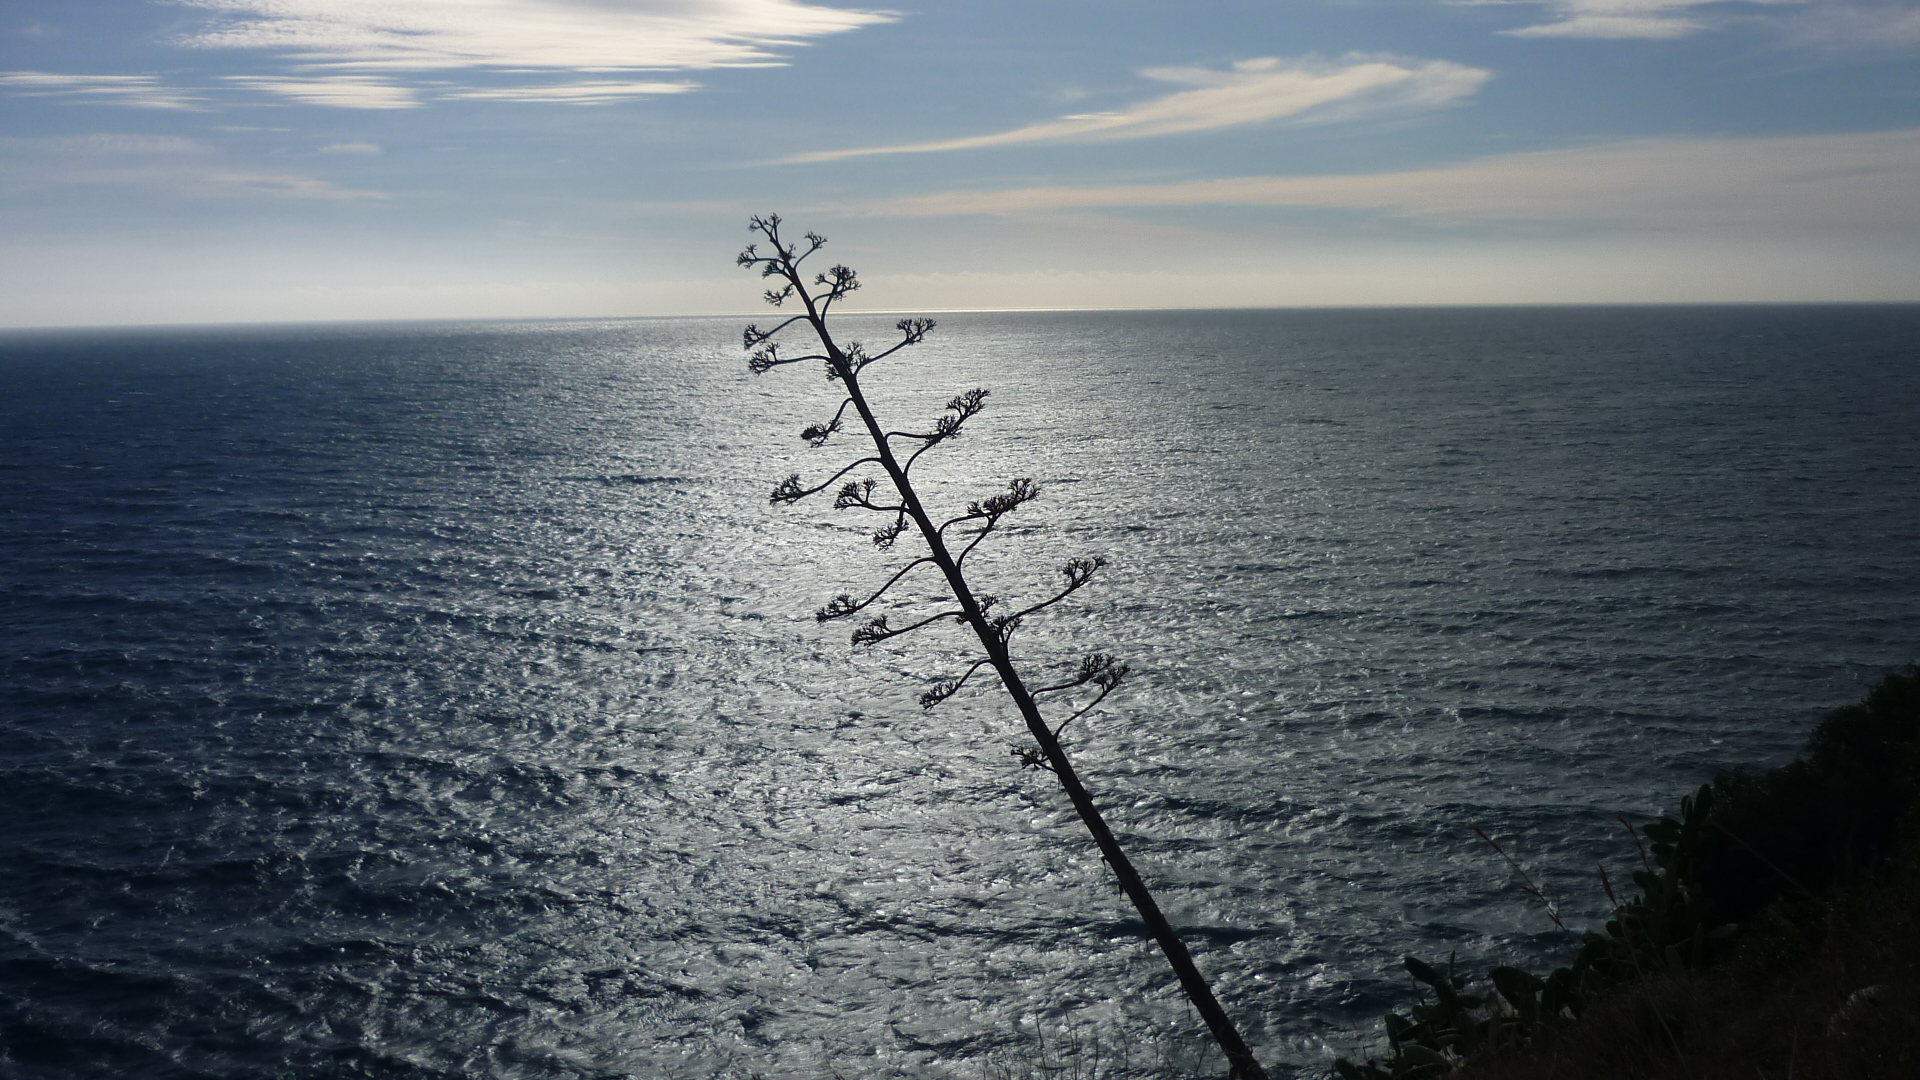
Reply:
x=1834 y=812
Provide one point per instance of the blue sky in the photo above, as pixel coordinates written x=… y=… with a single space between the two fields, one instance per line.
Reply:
x=240 y=160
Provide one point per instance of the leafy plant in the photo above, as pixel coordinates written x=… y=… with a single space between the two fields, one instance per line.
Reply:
x=1740 y=843
x=1832 y=813
x=1664 y=929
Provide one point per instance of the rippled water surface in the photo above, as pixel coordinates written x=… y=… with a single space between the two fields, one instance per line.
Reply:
x=446 y=701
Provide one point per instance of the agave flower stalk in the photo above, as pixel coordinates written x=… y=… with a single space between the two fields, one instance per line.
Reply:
x=948 y=543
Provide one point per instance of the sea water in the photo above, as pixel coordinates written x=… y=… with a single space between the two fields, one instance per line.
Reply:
x=447 y=701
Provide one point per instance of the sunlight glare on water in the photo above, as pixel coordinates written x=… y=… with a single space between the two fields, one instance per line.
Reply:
x=447 y=701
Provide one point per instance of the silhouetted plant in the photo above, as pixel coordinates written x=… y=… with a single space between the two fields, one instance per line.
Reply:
x=1830 y=814
x=894 y=454
x=1664 y=930
x=1740 y=843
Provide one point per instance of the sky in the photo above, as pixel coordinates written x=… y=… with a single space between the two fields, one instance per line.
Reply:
x=188 y=161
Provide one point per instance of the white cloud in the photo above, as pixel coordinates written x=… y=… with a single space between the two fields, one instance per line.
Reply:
x=1646 y=19
x=101 y=144
x=1864 y=180
x=152 y=164
x=574 y=93
x=356 y=54
x=1852 y=25
x=341 y=91
x=282 y=186
x=352 y=52
x=351 y=148
x=376 y=92
x=549 y=35
x=1873 y=26
x=137 y=91
x=1653 y=26
x=1303 y=90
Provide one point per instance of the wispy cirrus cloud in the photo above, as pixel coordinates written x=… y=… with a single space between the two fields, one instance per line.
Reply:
x=280 y=185
x=1850 y=25
x=575 y=35
x=591 y=92
x=363 y=46
x=340 y=91
x=154 y=165
x=137 y=91
x=100 y=145
x=1869 y=179
x=1301 y=90
x=1874 y=26
x=1656 y=20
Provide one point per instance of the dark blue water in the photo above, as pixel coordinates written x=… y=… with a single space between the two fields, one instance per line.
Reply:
x=445 y=700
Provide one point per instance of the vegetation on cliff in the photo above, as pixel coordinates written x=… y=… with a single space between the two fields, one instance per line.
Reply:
x=1776 y=933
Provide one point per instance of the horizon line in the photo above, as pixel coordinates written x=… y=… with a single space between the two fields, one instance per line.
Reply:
x=741 y=314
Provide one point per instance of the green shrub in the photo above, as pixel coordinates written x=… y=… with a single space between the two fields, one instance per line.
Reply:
x=1827 y=819
x=1833 y=813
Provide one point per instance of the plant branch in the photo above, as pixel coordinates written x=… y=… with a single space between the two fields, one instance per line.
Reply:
x=860 y=494
x=789 y=491
x=945 y=688
x=1526 y=883
x=817 y=434
x=1078 y=572
x=877 y=630
x=842 y=606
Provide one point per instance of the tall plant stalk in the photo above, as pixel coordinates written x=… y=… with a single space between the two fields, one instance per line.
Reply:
x=894 y=453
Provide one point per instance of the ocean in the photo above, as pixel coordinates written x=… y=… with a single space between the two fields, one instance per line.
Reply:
x=445 y=700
